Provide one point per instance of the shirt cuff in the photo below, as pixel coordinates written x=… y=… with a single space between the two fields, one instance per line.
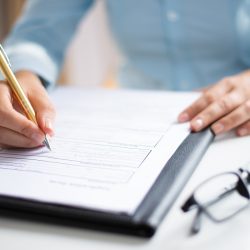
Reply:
x=32 y=57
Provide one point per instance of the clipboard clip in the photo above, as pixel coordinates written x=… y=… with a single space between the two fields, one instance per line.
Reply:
x=5 y=55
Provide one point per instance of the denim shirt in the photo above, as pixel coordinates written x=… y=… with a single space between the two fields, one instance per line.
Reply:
x=167 y=44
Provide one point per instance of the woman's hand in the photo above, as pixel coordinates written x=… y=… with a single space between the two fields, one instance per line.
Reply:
x=15 y=129
x=224 y=106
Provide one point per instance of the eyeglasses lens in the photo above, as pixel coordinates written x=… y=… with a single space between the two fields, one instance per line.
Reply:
x=219 y=197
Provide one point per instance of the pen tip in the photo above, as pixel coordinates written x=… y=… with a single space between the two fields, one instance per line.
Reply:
x=46 y=143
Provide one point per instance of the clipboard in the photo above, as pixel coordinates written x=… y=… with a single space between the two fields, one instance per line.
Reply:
x=148 y=216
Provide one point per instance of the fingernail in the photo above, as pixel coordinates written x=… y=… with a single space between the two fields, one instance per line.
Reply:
x=198 y=123
x=37 y=137
x=218 y=128
x=183 y=117
x=242 y=131
x=49 y=126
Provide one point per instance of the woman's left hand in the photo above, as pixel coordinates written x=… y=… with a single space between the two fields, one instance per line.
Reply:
x=224 y=106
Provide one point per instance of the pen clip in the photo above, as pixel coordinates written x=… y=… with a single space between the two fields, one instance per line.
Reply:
x=5 y=55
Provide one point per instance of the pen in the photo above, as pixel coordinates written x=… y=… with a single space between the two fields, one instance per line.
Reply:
x=5 y=68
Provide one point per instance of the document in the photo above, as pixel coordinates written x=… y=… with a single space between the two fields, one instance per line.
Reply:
x=110 y=147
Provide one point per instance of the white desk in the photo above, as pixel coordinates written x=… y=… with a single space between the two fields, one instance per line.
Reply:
x=224 y=154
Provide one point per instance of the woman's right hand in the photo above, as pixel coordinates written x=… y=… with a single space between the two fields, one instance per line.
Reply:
x=15 y=129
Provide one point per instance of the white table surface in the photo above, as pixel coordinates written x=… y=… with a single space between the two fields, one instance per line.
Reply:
x=226 y=153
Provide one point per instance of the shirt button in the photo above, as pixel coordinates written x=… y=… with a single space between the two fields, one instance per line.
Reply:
x=172 y=16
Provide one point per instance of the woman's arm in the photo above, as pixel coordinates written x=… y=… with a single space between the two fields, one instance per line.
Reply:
x=36 y=49
x=40 y=37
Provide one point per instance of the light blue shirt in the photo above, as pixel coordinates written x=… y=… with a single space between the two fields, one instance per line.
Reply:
x=167 y=44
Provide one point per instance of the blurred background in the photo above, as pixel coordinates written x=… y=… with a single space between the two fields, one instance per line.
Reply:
x=92 y=57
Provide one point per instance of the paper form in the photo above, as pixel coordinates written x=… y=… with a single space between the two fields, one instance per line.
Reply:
x=109 y=148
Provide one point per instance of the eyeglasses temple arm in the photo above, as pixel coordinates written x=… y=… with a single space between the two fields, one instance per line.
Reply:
x=196 y=226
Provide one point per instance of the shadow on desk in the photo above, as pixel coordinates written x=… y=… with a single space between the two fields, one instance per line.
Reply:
x=47 y=225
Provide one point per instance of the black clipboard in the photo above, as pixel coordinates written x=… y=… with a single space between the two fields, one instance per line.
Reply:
x=148 y=216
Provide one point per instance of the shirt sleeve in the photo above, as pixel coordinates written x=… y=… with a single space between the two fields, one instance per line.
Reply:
x=41 y=35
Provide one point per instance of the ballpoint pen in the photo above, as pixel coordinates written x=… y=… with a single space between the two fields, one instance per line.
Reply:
x=24 y=102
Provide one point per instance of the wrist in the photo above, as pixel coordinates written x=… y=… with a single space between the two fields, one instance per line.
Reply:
x=28 y=78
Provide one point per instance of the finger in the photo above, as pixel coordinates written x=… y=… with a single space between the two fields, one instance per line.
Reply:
x=3 y=146
x=5 y=91
x=11 y=119
x=9 y=138
x=210 y=96
x=233 y=119
x=243 y=129
x=45 y=111
x=217 y=110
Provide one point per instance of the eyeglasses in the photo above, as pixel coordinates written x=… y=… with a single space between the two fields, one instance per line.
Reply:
x=220 y=197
